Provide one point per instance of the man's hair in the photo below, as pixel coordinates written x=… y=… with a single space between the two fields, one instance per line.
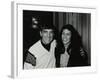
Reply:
x=47 y=26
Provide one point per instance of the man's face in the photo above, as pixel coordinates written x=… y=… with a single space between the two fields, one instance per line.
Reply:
x=47 y=35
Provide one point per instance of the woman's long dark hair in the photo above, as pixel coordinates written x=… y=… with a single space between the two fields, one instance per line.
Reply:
x=76 y=41
x=73 y=49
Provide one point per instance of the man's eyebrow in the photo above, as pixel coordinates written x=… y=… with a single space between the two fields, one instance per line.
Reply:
x=47 y=30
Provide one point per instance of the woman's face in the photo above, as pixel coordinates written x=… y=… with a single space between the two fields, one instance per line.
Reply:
x=66 y=36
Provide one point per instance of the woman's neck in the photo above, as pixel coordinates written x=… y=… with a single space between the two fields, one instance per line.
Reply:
x=66 y=45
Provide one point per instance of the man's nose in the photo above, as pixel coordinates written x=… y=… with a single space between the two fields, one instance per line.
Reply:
x=49 y=35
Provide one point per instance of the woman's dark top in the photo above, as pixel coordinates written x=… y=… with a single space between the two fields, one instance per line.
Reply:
x=78 y=57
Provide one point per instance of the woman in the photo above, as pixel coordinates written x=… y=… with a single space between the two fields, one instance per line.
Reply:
x=70 y=51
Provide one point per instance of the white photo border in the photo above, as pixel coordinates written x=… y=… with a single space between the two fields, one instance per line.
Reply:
x=17 y=41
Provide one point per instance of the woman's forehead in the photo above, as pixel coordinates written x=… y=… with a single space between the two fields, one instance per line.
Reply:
x=66 y=30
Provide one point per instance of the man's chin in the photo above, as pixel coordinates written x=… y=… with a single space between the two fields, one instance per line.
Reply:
x=47 y=42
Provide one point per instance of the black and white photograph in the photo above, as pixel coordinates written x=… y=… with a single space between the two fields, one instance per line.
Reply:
x=56 y=39
x=52 y=39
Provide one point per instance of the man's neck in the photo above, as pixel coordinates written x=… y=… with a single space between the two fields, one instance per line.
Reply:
x=46 y=46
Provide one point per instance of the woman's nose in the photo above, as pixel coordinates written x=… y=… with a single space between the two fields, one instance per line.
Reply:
x=65 y=36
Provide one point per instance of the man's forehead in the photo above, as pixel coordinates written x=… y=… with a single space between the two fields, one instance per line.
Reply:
x=47 y=30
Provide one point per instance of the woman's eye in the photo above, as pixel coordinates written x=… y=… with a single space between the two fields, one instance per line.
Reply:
x=66 y=34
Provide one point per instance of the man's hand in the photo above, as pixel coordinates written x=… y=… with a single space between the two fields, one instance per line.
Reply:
x=83 y=53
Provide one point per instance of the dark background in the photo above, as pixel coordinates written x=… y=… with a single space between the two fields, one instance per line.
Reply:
x=30 y=34
x=80 y=21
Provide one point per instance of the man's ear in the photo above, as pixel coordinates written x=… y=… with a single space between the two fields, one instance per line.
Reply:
x=40 y=33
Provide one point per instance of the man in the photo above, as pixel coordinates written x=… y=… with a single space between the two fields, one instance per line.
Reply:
x=42 y=53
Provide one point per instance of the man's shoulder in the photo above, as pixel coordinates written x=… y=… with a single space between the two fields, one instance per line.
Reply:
x=54 y=43
x=34 y=46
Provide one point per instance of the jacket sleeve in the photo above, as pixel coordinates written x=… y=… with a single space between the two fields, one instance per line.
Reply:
x=30 y=58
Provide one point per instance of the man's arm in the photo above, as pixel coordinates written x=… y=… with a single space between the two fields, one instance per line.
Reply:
x=30 y=58
x=30 y=61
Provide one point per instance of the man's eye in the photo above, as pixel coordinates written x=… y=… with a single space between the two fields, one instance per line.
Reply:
x=68 y=34
x=44 y=31
x=51 y=32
